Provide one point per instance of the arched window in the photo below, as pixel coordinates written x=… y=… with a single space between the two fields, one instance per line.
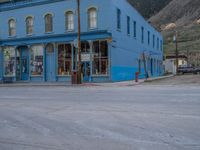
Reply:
x=29 y=25
x=69 y=21
x=92 y=18
x=12 y=27
x=48 y=23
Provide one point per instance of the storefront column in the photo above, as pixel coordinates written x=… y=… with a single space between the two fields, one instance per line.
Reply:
x=110 y=60
x=56 y=60
x=44 y=62
x=16 y=49
x=1 y=63
x=72 y=61
x=91 y=57
x=29 y=60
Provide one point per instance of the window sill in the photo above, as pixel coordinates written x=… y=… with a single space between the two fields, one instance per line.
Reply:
x=49 y=32
x=69 y=31
x=92 y=29
x=14 y=36
x=119 y=30
x=29 y=35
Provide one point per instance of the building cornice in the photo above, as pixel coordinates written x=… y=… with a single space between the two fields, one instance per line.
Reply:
x=22 y=4
x=56 y=38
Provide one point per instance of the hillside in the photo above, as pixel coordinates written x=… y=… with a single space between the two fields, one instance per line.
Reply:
x=180 y=12
x=149 y=8
x=185 y=20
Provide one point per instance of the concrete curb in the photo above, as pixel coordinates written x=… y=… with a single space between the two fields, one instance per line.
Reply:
x=159 y=78
x=113 y=84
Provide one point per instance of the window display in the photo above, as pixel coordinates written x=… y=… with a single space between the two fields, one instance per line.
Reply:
x=36 y=62
x=9 y=61
x=64 y=59
x=100 y=58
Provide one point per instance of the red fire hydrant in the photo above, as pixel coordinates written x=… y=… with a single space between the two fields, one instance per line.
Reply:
x=136 y=76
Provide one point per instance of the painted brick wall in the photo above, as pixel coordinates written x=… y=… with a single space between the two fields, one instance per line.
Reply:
x=58 y=10
x=126 y=49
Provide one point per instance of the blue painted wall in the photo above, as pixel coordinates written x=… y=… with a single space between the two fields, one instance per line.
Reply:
x=58 y=10
x=125 y=50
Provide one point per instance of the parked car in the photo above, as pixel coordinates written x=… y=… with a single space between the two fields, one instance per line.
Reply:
x=197 y=70
x=183 y=70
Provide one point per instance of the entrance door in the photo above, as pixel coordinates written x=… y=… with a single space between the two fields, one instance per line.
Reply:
x=24 y=64
x=49 y=62
x=49 y=67
x=86 y=71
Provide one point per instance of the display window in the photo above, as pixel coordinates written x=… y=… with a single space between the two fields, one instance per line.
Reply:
x=64 y=59
x=100 y=58
x=36 y=62
x=9 y=61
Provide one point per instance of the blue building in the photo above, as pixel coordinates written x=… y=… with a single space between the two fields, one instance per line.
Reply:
x=38 y=41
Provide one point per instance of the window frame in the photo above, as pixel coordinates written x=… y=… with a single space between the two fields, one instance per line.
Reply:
x=92 y=18
x=48 y=29
x=142 y=34
x=119 y=14
x=128 y=25
x=10 y=61
x=28 y=26
x=68 y=21
x=134 y=29
x=12 y=29
x=100 y=59
x=149 y=37
x=33 y=58
x=153 y=40
x=65 y=58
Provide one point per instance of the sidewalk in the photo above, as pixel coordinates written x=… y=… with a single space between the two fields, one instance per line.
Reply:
x=127 y=83
x=68 y=84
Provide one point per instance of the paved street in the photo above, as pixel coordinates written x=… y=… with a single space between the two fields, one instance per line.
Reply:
x=162 y=115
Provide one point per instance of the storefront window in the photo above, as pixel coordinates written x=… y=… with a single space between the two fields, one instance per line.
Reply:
x=85 y=47
x=100 y=58
x=9 y=61
x=64 y=59
x=36 y=62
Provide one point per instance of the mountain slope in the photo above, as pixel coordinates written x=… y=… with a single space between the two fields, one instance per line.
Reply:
x=149 y=8
x=182 y=16
x=180 y=12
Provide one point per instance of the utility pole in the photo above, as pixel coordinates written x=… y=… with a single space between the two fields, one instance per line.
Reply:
x=79 y=43
x=187 y=57
x=177 y=54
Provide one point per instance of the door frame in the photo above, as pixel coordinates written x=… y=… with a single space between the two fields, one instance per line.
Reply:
x=85 y=74
x=51 y=54
x=23 y=53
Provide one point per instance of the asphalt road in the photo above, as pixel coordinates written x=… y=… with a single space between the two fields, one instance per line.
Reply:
x=188 y=79
x=153 y=116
